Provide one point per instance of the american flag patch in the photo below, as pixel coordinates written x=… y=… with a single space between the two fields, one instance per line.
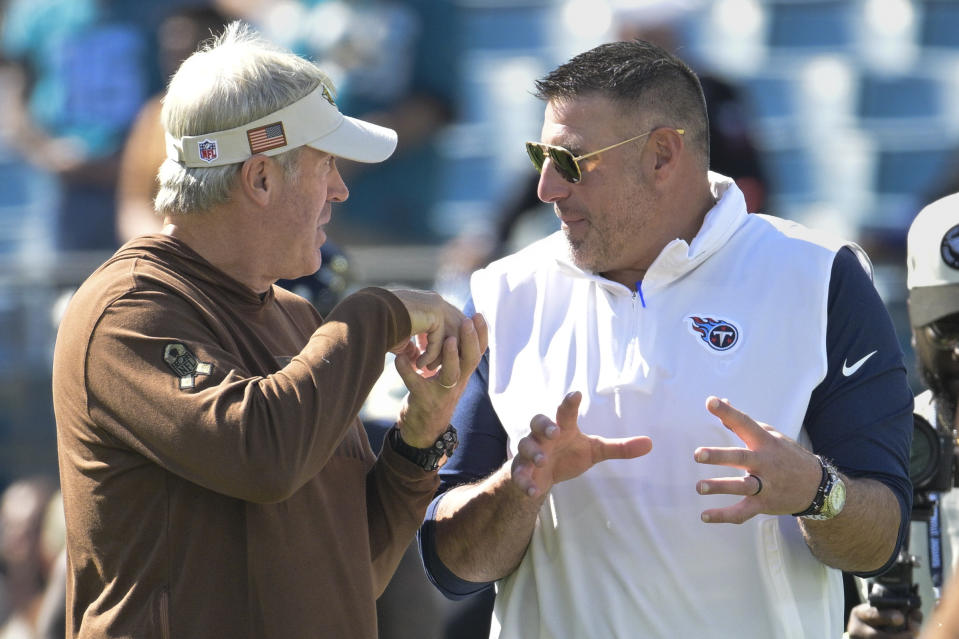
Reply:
x=266 y=137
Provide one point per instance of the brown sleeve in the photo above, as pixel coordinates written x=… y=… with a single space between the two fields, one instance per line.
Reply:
x=253 y=437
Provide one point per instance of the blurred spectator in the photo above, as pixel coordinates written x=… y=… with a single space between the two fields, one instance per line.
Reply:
x=87 y=66
x=395 y=63
x=732 y=150
x=177 y=36
x=51 y=620
x=29 y=547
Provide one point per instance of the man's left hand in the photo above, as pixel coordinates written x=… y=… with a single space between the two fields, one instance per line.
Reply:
x=782 y=478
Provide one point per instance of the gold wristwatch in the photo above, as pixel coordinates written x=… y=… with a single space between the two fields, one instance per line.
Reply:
x=830 y=496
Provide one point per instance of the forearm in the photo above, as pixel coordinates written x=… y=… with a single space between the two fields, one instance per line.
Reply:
x=863 y=536
x=250 y=436
x=483 y=529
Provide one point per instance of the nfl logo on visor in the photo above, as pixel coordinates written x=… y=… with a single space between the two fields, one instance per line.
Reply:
x=208 y=150
x=719 y=334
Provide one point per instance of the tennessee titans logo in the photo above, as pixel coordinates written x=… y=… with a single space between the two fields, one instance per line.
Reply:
x=949 y=248
x=719 y=334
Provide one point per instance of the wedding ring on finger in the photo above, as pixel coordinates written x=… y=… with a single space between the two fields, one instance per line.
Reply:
x=451 y=386
x=759 y=489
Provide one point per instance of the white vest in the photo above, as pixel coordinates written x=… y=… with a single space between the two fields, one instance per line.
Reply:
x=621 y=551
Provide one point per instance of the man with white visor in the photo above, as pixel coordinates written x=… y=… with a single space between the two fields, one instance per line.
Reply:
x=216 y=479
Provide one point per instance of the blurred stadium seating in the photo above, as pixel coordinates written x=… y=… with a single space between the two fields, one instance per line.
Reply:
x=856 y=110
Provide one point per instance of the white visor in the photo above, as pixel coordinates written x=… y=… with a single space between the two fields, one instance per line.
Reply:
x=312 y=120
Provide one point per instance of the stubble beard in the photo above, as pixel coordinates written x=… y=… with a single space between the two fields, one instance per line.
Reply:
x=582 y=252
x=601 y=248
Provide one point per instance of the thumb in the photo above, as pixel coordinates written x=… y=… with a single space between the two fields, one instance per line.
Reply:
x=404 y=366
x=568 y=410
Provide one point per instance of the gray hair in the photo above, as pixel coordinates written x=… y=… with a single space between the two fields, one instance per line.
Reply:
x=235 y=78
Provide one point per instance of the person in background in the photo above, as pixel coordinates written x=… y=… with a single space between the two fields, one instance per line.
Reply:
x=178 y=35
x=87 y=67
x=26 y=562
x=216 y=480
x=660 y=294
x=932 y=277
x=395 y=63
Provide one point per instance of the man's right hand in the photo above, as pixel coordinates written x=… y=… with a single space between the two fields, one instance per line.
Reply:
x=432 y=316
x=557 y=451
x=869 y=622
x=428 y=407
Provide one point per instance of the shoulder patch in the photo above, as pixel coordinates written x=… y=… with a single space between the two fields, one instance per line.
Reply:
x=184 y=364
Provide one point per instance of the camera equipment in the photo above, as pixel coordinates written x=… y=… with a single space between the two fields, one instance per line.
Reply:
x=932 y=460
x=932 y=470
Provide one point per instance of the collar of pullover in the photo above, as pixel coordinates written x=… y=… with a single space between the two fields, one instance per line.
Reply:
x=679 y=257
x=166 y=252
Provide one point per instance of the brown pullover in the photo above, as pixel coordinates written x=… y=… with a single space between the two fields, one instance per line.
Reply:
x=216 y=479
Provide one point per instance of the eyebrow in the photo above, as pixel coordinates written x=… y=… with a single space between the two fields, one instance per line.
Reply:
x=573 y=148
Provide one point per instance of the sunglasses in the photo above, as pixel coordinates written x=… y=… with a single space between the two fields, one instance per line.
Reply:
x=563 y=160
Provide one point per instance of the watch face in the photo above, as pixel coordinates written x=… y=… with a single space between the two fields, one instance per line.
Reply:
x=836 y=499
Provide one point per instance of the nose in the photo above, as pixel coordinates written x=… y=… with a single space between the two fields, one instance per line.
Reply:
x=336 y=189
x=552 y=187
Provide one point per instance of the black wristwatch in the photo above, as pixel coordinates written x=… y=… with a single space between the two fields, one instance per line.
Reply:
x=426 y=458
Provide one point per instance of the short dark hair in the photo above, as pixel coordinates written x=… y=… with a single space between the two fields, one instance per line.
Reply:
x=640 y=75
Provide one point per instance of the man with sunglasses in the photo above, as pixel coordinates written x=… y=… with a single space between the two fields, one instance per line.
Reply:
x=932 y=267
x=659 y=296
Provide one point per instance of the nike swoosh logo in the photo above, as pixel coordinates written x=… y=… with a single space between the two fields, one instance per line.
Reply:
x=848 y=370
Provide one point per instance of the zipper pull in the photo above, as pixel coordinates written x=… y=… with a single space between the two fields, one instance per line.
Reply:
x=639 y=291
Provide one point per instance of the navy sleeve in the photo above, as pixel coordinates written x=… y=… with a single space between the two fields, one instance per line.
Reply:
x=860 y=415
x=481 y=451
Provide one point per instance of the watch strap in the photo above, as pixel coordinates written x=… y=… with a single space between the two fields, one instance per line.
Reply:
x=825 y=483
x=426 y=458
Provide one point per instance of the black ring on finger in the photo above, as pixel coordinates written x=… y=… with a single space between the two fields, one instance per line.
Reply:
x=759 y=489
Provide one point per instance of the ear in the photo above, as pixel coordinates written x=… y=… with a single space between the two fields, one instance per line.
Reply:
x=258 y=179
x=667 y=145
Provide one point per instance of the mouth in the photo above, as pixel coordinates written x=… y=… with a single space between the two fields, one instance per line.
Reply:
x=325 y=217
x=572 y=222
x=321 y=230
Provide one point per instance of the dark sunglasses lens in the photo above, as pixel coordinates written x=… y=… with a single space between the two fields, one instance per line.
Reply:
x=565 y=164
x=536 y=154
